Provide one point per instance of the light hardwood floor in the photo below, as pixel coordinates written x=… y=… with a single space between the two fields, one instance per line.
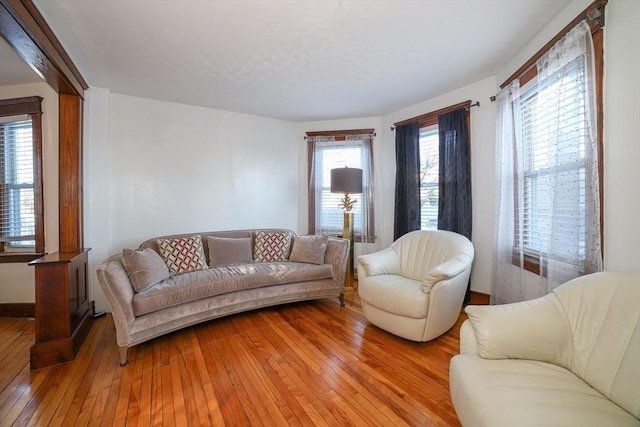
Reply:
x=310 y=363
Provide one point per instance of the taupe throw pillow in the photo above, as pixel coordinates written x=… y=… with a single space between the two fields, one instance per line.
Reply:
x=145 y=267
x=228 y=250
x=309 y=249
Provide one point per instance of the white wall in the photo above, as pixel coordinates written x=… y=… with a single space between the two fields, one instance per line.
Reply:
x=97 y=220
x=157 y=168
x=621 y=141
x=17 y=281
x=179 y=169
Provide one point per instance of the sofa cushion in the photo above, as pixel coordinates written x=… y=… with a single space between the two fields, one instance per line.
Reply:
x=200 y=284
x=226 y=250
x=144 y=267
x=517 y=393
x=271 y=246
x=183 y=254
x=309 y=249
x=540 y=320
x=396 y=294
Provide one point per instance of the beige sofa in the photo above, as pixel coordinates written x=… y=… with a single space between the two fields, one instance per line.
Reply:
x=185 y=299
x=570 y=358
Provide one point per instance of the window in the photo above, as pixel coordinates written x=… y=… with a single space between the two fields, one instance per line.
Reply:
x=429 y=175
x=564 y=157
x=337 y=149
x=21 y=206
x=429 y=147
x=557 y=180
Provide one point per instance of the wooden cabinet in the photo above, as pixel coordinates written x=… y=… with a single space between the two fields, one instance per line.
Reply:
x=63 y=310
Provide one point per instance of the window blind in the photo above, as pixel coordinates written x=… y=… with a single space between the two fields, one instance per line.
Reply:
x=17 y=209
x=554 y=135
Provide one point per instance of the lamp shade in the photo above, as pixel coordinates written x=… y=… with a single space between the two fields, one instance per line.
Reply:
x=346 y=180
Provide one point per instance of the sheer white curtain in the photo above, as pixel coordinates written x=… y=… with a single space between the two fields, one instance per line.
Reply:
x=547 y=200
x=568 y=71
x=508 y=282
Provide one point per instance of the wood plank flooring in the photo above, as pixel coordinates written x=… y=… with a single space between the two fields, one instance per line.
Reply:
x=308 y=364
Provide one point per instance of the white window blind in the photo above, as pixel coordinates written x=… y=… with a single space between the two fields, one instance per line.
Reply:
x=554 y=132
x=17 y=209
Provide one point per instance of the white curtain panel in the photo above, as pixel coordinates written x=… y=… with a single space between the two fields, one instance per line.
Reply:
x=547 y=199
x=508 y=284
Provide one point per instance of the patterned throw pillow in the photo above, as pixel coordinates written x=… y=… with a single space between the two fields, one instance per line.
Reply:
x=183 y=254
x=271 y=246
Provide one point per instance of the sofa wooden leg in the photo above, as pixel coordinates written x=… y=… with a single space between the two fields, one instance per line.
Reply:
x=341 y=300
x=123 y=356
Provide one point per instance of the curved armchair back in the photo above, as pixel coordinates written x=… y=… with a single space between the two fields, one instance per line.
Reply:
x=421 y=250
x=604 y=317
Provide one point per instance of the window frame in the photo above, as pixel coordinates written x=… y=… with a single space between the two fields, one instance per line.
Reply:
x=31 y=106
x=341 y=135
x=595 y=16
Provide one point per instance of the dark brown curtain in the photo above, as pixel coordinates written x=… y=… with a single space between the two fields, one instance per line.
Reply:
x=454 y=204
x=407 y=200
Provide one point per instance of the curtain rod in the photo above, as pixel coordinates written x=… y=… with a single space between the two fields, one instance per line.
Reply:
x=465 y=104
x=341 y=133
x=594 y=14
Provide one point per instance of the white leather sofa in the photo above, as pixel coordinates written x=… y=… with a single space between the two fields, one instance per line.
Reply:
x=570 y=358
x=415 y=288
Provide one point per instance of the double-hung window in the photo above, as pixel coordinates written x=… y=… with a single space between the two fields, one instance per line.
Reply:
x=21 y=206
x=429 y=177
x=337 y=149
x=553 y=181
x=554 y=153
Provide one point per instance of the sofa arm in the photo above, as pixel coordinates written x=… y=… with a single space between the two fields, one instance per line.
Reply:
x=337 y=255
x=385 y=261
x=468 y=343
x=446 y=270
x=537 y=329
x=118 y=292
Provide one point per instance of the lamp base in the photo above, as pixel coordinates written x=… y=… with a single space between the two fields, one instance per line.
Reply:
x=347 y=233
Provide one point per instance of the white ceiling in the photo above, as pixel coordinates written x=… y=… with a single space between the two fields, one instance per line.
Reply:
x=293 y=60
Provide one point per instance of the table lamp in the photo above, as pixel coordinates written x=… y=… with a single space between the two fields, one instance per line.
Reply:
x=348 y=181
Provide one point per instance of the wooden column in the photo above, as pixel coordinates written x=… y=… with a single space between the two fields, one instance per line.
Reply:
x=62 y=307
x=70 y=173
x=62 y=298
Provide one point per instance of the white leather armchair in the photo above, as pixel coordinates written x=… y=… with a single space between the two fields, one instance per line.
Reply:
x=570 y=358
x=415 y=288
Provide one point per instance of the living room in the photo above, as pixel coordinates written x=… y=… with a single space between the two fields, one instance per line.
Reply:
x=145 y=160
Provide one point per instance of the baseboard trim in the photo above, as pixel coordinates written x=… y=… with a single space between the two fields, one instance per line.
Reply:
x=478 y=298
x=18 y=309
